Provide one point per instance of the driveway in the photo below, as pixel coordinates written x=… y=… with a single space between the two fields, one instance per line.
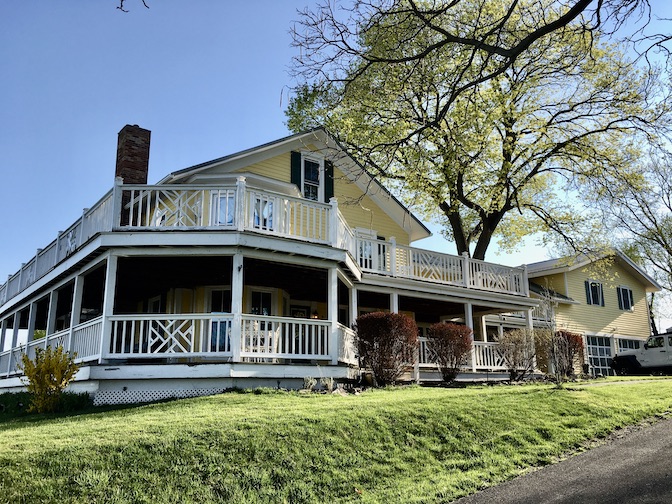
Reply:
x=635 y=468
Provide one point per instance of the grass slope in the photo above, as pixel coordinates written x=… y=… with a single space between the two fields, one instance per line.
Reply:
x=399 y=445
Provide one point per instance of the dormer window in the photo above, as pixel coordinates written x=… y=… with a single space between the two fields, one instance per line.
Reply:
x=313 y=175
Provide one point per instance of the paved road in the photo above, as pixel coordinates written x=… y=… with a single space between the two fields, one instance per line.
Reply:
x=636 y=468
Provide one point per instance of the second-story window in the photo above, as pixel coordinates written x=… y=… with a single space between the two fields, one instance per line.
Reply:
x=625 y=301
x=594 y=293
x=311 y=179
x=313 y=174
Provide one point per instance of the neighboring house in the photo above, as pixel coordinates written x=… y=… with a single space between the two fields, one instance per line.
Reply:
x=245 y=270
x=603 y=300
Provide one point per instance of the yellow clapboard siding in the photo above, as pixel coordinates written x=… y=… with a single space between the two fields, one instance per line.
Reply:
x=358 y=209
x=607 y=319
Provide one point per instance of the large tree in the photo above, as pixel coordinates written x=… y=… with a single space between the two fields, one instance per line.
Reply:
x=495 y=142
x=641 y=214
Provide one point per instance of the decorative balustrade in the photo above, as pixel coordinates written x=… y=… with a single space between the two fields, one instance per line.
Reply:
x=486 y=355
x=287 y=338
x=242 y=208
x=389 y=258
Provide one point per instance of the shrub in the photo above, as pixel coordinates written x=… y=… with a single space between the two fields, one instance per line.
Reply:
x=451 y=344
x=559 y=353
x=566 y=349
x=47 y=376
x=387 y=344
x=517 y=347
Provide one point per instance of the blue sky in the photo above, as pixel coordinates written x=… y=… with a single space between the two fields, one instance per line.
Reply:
x=207 y=78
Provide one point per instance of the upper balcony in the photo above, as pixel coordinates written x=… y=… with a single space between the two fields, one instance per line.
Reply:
x=242 y=208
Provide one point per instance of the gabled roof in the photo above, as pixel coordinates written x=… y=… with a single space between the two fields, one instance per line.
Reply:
x=319 y=138
x=567 y=264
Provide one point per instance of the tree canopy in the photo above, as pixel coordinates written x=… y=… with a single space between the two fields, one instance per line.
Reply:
x=490 y=116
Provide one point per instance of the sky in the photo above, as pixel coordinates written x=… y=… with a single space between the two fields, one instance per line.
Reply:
x=207 y=78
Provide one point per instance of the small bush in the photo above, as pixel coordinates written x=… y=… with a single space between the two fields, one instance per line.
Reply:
x=387 y=344
x=451 y=343
x=328 y=383
x=566 y=349
x=309 y=383
x=47 y=376
x=559 y=354
x=518 y=350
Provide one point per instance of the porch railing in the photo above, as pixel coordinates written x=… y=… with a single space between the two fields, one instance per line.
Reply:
x=486 y=356
x=242 y=208
x=83 y=339
x=288 y=338
x=347 y=349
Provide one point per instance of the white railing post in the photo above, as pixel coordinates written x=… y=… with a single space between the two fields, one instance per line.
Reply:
x=465 y=269
x=334 y=223
x=469 y=322
x=239 y=211
x=117 y=207
x=393 y=256
x=526 y=285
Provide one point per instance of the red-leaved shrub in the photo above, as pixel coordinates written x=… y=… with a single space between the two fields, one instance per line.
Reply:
x=451 y=345
x=387 y=343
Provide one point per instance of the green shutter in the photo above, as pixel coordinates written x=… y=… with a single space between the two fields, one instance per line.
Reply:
x=601 y=295
x=632 y=303
x=619 y=293
x=588 y=298
x=328 y=181
x=296 y=169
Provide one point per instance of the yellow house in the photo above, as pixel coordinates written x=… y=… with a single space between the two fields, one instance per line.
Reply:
x=604 y=300
x=242 y=271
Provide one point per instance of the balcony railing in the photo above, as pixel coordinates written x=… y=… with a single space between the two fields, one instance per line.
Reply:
x=242 y=208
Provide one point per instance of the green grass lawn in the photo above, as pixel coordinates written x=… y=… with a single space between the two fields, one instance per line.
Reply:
x=398 y=445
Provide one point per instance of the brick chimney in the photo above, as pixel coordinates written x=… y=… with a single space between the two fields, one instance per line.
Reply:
x=133 y=154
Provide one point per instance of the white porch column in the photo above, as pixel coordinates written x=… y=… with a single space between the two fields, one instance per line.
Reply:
x=484 y=328
x=469 y=322
x=11 y=364
x=108 y=305
x=15 y=329
x=237 y=305
x=3 y=330
x=32 y=314
x=529 y=320
x=78 y=291
x=332 y=308
x=51 y=314
x=352 y=308
x=394 y=302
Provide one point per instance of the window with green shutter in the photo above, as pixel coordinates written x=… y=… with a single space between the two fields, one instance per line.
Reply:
x=313 y=175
